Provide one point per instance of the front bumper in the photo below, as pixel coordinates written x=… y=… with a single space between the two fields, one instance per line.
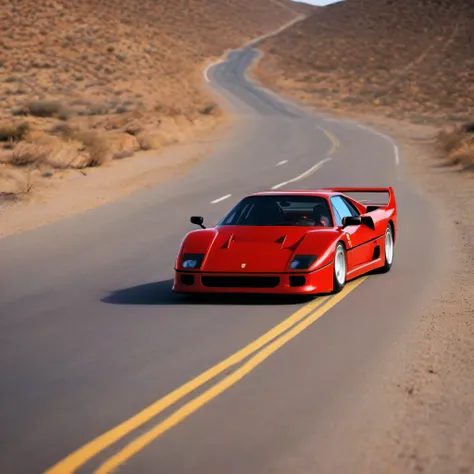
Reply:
x=298 y=283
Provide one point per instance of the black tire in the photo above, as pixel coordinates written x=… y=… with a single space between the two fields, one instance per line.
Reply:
x=388 y=262
x=337 y=285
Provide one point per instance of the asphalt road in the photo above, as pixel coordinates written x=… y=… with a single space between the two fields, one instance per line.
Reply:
x=91 y=333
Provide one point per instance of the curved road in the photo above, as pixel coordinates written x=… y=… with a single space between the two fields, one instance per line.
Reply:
x=91 y=333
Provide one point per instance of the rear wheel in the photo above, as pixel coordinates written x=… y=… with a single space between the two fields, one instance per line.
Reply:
x=340 y=268
x=388 y=249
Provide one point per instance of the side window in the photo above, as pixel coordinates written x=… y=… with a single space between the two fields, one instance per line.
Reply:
x=352 y=208
x=341 y=209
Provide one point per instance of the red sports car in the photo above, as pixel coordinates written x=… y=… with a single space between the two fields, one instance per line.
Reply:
x=294 y=242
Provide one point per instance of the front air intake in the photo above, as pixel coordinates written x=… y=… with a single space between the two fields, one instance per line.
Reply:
x=297 y=280
x=187 y=279
x=240 y=281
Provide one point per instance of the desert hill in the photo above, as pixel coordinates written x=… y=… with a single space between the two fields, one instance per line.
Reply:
x=69 y=68
x=407 y=59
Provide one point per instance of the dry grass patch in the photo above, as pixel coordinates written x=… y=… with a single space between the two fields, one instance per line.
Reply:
x=10 y=132
x=449 y=140
x=68 y=148
x=464 y=155
x=41 y=108
x=97 y=148
x=16 y=182
x=149 y=140
x=29 y=154
x=457 y=145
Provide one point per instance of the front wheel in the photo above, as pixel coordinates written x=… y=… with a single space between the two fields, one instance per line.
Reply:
x=340 y=268
x=389 y=249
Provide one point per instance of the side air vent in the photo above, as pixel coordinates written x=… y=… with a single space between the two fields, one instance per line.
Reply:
x=376 y=254
x=368 y=221
x=227 y=243
x=281 y=240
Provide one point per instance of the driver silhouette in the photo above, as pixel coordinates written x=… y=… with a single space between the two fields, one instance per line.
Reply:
x=321 y=215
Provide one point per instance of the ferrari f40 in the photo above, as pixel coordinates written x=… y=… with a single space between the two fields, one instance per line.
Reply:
x=293 y=242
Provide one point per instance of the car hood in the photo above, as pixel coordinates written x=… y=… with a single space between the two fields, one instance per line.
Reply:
x=258 y=249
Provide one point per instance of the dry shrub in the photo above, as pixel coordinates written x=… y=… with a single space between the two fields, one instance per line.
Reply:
x=457 y=145
x=66 y=149
x=13 y=132
x=63 y=130
x=149 y=140
x=97 y=146
x=43 y=139
x=41 y=149
x=28 y=154
x=464 y=154
x=449 y=140
x=44 y=108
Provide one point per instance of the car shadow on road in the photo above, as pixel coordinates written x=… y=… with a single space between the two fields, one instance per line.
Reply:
x=161 y=293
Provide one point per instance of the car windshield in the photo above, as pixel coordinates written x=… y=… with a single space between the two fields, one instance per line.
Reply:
x=280 y=211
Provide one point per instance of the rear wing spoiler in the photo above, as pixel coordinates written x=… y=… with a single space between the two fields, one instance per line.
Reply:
x=391 y=195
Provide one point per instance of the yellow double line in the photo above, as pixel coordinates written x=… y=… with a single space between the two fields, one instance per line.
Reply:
x=334 y=140
x=261 y=349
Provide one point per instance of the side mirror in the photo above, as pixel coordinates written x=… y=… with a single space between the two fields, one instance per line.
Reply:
x=198 y=220
x=351 y=220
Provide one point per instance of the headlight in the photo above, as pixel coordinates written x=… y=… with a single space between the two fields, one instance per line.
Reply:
x=192 y=260
x=302 y=262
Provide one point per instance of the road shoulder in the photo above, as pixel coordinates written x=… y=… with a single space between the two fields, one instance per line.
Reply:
x=433 y=429
x=430 y=393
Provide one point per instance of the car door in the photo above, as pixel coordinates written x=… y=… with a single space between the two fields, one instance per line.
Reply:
x=358 y=235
